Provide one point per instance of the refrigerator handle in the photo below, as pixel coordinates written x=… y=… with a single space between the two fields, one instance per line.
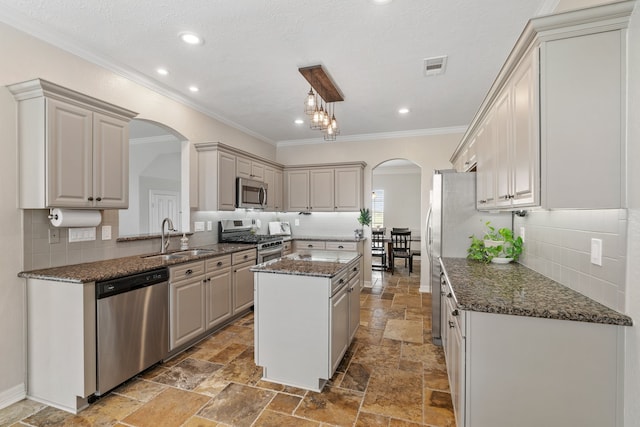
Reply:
x=429 y=229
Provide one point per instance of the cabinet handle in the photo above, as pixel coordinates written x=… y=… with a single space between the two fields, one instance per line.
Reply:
x=449 y=295
x=451 y=324
x=309 y=246
x=90 y=199
x=219 y=264
x=98 y=199
x=466 y=163
x=455 y=313
x=246 y=256
x=209 y=279
x=189 y=272
x=340 y=247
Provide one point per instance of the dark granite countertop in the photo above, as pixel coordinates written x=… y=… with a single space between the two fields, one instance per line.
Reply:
x=118 y=267
x=309 y=263
x=517 y=290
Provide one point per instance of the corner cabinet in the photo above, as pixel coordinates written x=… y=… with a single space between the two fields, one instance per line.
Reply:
x=558 y=105
x=325 y=188
x=73 y=149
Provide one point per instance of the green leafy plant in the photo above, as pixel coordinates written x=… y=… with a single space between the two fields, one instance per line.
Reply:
x=506 y=245
x=365 y=217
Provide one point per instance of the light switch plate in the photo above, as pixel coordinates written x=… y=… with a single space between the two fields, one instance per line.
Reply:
x=297 y=222
x=106 y=232
x=198 y=226
x=85 y=234
x=209 y=225
x=596 y=251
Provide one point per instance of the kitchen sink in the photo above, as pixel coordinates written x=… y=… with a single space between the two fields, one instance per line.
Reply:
x=194 y=252
x=166 y=257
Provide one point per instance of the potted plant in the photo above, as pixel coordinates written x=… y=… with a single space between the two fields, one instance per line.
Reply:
x=363 y=219
x=497 y=246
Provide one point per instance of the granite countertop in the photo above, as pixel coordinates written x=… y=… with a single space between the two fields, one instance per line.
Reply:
x=517 y=290
x=118 y=267
x=309 y=263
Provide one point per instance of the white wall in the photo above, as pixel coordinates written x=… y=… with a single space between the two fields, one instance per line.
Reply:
x=428 y=152
x=26 y=58
x=632 y=352
x=402 y=197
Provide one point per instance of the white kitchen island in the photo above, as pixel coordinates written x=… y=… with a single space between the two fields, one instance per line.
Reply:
x=307 y=310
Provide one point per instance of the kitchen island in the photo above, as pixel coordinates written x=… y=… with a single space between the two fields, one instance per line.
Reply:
x=307 y=310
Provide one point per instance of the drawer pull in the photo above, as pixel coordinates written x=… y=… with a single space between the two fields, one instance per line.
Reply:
x=219 y=264
x=451 y=324
x=309 y=246
x=449 y=295
x=99 y=199
x=189 y=272
x=340 y=247
x=246 y=256
x=455 y=313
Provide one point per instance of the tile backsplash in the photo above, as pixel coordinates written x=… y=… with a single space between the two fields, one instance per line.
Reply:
x=558 y=245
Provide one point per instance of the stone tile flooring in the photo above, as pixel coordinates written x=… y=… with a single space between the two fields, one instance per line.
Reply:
x=391 y=376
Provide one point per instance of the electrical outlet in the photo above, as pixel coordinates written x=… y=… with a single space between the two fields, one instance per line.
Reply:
x=522 y=233
x=596 y=251
x=106 y=232
x=209 y=225
x=54 y=235
x=297 y=222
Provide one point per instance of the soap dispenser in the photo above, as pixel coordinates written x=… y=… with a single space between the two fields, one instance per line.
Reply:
x=184 y=242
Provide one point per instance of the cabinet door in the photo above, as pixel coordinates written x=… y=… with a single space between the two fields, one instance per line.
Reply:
x=257 y=171
x=297 y=190
x=321 y=190
x=226 y=182
x=219 y=297
x=354 y=305
x=243 y=167
x=277 y=194
x=242 y=286
x=70 y=155
x=485 y=185
x=348 y=189
x=110 y=162
x=187 y=306
x=270 y=180
x=339 y=327
x=525 y=158
x=502 y=134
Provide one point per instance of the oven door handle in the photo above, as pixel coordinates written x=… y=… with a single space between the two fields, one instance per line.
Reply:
x=270 y=251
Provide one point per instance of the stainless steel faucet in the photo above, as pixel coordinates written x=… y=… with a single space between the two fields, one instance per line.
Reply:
x=165 y=238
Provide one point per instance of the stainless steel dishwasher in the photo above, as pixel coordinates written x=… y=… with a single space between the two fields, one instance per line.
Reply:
x=132 y=326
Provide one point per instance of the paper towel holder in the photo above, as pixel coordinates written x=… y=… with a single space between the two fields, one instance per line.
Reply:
x=52 y=215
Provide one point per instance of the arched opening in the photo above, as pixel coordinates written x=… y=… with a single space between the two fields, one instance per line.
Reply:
x=156 y=177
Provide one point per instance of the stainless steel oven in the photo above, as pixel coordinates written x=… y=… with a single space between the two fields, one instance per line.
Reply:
x=272 y=250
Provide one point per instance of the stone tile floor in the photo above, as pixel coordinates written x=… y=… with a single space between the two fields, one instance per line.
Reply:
x=391 y=376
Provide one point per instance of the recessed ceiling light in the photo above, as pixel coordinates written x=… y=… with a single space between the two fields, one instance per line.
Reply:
x=403 y=111
x=191 y=38
x=193 y=88
x=162 y=71
x=299 y=121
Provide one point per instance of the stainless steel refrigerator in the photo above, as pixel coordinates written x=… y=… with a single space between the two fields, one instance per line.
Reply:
x=451 y=220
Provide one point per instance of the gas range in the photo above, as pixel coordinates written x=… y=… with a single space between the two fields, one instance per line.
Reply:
x=243 y=231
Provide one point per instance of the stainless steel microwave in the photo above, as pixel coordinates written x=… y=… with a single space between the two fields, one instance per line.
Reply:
x=250 y=194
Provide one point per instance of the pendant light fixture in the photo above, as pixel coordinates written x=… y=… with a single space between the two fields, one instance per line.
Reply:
x=320 y=105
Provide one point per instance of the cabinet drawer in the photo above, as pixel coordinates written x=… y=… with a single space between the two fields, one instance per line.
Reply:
x=354 y=269
x=218 y=263
x=243 y=256
x=341 y=246
x=186 y=271
x=309 y=244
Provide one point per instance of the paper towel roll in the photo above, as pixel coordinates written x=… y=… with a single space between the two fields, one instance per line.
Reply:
x=75 y=218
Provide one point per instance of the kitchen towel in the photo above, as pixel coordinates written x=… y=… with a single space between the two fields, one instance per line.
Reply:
x=75 y=218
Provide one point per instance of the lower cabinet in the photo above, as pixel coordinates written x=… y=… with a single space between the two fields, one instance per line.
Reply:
x=243 y=279
x=205 y=294
x=507 y=370
x=186 y=303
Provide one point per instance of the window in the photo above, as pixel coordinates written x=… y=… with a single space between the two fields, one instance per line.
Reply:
x=377 y=207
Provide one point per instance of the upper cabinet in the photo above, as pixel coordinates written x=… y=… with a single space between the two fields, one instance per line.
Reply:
x=326 y=188
x=218 y=167
x=555 y=111
x=73 y=149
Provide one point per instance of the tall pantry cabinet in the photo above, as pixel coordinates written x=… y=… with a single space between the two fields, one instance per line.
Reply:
x=74 y=149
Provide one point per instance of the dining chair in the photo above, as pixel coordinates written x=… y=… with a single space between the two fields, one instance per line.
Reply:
x=378 y=249
x=401 y=241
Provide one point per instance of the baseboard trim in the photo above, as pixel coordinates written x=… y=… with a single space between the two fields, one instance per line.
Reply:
x=12 y=395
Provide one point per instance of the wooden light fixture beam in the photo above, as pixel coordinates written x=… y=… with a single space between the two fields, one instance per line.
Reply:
x=319 y=79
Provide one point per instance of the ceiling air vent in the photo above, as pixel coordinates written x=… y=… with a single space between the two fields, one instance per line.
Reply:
x=434 y=66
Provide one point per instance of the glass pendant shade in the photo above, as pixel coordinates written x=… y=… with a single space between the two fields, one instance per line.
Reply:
x=310 y=103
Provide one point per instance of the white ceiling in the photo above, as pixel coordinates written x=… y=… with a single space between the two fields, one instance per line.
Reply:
x=247 y=69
